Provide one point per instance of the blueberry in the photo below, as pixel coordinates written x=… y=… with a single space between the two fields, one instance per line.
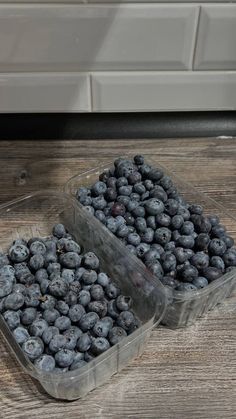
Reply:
x=84 y=342
x=90 y=261
x=187 y=228
x=19 y=288
x=141 y=249
x=70 y=298
x=185 y=241
x=44 y=286
x=33 y=295
x=125 y=320
x=63 y=323
x=68 y=275
x=123 y=200
x=28 y=315
x=98 y=307
x=70 y=260
x=122 y=231
x=138 y=211
x=64 y=357
x=38 y=247
x=112 y=291
x=58 y=288
x=36 y=262
x=121 y=181
x=73 y=331
x=88 y=321
x=84 y=298
x=71 y=246
x=99 y=345
x=155 y=268
x=71 y=338
x=175 y=235
x=168 y=281
x=99 y=214
x=59 y=230
x=18 y=253
x=168 y=262
x=97 y=292
x=212 y=273
x=20 y=269
x=111 y=182
x=154 y=206
x=38 y=327
x=201 y=224
x=33 y=348
x=47 y=302
x=171 y=206
x=170 y=246
x=200 y=260
x=138 y=159
x=184 y=212
x=182 y=254
x=85 y=200
x=218 y=263
x=214 y=220
x=196 y=209
x=89 y=277
x=6 y=286
x=144 y=170
x=202 y=241
x=147 y=235
x=140 y=224
x=229 y=241
x=27 y=278
x=151 y=222
x=112 y=309
x=217 y=247
x=14 y=301
x=101 y=328
x=57 y=342
x=134 y=178
x=99 y=188
x=50 y=244
x=77 y=364
x=229 y=258
x=79 y=273
x=134 y=239
x=49 y=333
x=162 y=236
x=45 y=363
x=188 y=273
x=177 y=222
x=166 y=182
x=151 y=256
x=102 y=279
x=21 y=335
x=76 y=312
x=99 y=203
x=51 y=315
x=12 y=318
x=125 y=168
x=123 y=303
x=200 y=282
x=159 y=193
x=187 y=286
x=41 y=274
x=139 y=188
x=111 y=224
x=116 y=334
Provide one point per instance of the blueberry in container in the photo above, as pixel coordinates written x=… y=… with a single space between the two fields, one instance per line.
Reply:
x=184 y=307
x=34 y=216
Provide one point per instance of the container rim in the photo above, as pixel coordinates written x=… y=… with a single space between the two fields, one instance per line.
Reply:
x=178 y=295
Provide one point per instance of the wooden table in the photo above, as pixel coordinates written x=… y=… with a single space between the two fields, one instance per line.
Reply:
x=187 y=373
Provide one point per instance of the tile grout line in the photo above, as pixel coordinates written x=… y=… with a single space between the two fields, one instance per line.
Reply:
x=196 y=38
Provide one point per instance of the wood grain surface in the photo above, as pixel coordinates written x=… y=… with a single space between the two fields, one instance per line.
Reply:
x=187 y=373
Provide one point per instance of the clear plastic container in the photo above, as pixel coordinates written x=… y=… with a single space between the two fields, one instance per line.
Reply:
x=183 y=307
x=34 y=215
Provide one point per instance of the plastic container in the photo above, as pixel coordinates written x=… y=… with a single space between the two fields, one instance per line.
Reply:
x=34 y=215
x=184 y=307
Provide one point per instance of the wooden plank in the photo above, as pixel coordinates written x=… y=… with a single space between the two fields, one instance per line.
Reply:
x=187 y=373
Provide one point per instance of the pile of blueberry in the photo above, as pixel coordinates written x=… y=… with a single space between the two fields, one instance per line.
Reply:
x=62 y=310
x=184 y=248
